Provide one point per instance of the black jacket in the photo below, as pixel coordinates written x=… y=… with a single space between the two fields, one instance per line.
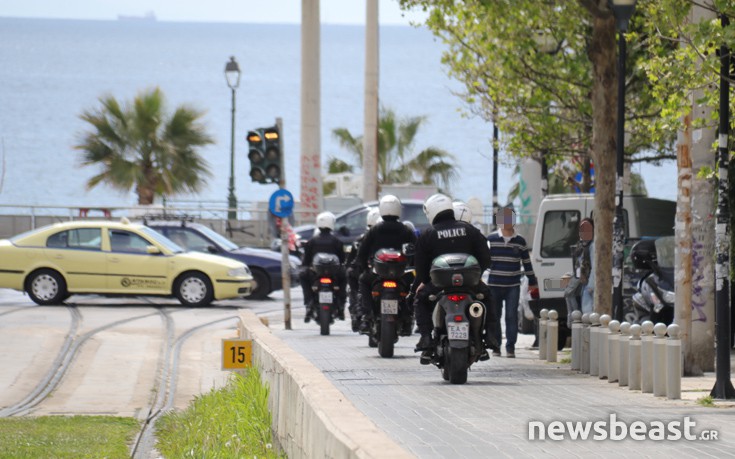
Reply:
x=388 y=234
x=352 y=256
x=448 y=235
x=324 y=242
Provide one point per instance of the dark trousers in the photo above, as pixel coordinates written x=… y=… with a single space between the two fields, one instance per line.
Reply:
x=509 y=296
x=354 y=284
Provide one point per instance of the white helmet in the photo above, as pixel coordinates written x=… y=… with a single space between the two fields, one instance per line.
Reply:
x=373 y=217
x=390 y=206
x=462 y=212
x=325 y=220
x=435 y=204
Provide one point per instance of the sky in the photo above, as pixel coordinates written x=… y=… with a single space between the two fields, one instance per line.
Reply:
x=242 y=11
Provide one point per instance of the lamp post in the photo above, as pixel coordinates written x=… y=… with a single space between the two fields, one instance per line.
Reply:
x=622 y=10
x=723 y=388
x=546 y=44
x=232 y=75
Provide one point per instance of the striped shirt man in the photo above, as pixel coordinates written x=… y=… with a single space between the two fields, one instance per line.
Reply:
x=508 y=255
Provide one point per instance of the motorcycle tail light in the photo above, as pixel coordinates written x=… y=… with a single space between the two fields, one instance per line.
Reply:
x=390 y=284
x=456 y=297
x=325 y=280
x=458 y=318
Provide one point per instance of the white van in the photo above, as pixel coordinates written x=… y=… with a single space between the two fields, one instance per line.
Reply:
x=557 y=229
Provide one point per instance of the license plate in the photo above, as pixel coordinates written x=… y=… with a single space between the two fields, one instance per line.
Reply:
x=459 y=330
x=389 y=306
x=325 y=297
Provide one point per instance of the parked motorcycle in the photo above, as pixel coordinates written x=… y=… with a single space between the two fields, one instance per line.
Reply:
x=459 y=320
x=326 y=266
x=654 y=297
x=389 y=293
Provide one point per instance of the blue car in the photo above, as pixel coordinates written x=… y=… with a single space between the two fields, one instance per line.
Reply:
x=264 y=264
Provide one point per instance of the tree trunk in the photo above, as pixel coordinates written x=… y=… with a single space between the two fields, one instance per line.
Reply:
x=602 y=54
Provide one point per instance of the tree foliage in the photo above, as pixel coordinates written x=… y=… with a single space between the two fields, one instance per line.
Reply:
x=397 y=161
x=139 y=146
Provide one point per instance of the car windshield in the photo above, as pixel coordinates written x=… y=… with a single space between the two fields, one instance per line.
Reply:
x=167 y=243
x=217 y=238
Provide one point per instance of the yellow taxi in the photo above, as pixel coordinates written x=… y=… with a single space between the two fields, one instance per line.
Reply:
x=115 y=258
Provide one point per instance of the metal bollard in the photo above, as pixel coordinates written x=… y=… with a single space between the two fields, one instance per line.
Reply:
x=647 y=357
x=634 y=358
x=602 y=347
x=594 y=353
x=576 y=339
x=584 y=356
x=673 y=363
x=623 y=344
x=659 y=360
x=544 y=317
x=552 y=335
x=613 y=362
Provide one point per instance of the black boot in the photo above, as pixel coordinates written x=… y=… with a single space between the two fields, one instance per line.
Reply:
x=309 y=315
x=341 y=312
x=425 y=343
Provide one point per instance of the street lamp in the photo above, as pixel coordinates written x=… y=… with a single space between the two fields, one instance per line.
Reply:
x=622 y=10
x=547 y=44
x=232 y=75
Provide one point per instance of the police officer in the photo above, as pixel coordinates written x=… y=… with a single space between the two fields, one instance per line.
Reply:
x=388 y=234
x=324 y=242
x=447 y=235
x=353 y=270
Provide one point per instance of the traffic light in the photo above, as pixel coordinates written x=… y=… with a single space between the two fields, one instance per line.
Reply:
x=256 y=155
x=273 y=157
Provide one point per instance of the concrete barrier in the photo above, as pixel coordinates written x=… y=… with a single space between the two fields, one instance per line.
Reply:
x=311 y=418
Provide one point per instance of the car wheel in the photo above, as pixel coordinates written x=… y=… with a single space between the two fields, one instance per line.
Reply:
x=46 y=286
x=262 y=285
x=194 y=289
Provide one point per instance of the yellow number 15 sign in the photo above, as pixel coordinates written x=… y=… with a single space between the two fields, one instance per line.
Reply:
x=236 y=354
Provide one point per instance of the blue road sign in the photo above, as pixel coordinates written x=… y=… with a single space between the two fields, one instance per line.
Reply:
x=281 y=203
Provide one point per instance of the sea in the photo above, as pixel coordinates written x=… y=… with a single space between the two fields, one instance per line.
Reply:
x=52 y=70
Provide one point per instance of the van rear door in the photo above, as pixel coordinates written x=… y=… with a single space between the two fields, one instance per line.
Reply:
x=556 y=233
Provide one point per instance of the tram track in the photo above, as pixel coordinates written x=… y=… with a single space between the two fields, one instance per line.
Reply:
x=164 y=384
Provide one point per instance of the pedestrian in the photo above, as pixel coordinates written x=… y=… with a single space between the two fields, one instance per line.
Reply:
x=576 y=289
x=509 y=261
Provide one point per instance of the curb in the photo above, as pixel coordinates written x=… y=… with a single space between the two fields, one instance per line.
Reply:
x=311 y=417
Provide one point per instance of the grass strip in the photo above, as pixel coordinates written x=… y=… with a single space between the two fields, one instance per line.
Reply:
x=230 y=422
x=66 y=437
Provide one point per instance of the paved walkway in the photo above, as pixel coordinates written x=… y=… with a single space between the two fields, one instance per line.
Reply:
x=489 y=416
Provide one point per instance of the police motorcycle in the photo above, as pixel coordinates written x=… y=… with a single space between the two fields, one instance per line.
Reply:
x=389 y=292
x=326 y=266
x=459 y=320
x=654 y=297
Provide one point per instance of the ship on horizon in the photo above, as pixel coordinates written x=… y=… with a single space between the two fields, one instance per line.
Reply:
x=149 y=16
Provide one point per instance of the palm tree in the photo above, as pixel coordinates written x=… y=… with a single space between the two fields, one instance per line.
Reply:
x=138 y=146
x=396 y=161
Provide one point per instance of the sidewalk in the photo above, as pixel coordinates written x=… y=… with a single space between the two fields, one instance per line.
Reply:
x=489 y=416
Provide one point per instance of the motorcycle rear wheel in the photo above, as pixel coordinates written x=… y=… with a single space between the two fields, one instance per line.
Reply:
x=325 y=316
x=458 y=364
x=387 y=337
